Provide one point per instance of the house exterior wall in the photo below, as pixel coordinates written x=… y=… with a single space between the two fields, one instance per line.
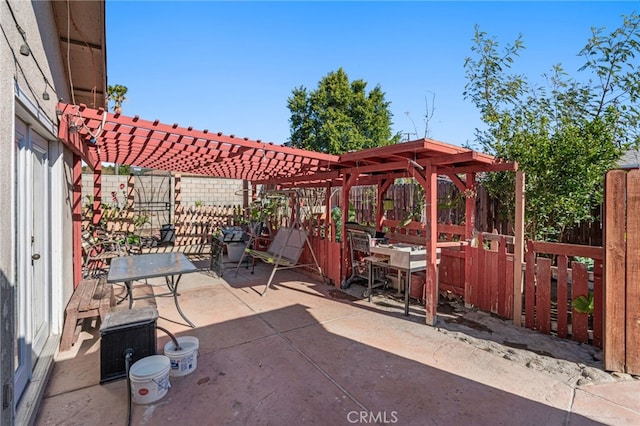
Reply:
x=7 y=223
x=22 y=83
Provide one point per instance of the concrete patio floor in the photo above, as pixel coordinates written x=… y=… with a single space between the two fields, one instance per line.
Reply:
x=307 y=353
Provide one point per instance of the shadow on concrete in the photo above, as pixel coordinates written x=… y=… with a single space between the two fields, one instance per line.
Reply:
x=266 y=368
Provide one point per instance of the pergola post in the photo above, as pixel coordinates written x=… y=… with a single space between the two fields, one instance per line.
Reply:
x=245 y=193
x=470 y=205
x=518 y=255
x=97 y=196
x=346 y=188
x=178 y=208
x=469 y=227
x=77 y=220
x=431 y=208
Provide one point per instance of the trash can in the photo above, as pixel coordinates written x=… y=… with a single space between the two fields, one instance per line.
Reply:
x=167 y=233
x=235 y=239
x=235 y=250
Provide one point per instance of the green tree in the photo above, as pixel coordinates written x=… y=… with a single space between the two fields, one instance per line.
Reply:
x=564 y=133
x=340 y=116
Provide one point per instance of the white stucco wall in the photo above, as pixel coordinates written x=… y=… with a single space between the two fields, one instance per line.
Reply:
x=22 y=82
x=7 y=270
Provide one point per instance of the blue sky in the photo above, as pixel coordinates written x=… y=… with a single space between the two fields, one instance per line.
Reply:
x=230 y=66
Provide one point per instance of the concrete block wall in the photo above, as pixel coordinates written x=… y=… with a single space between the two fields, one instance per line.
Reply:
x=210 y=191
x=110 y=183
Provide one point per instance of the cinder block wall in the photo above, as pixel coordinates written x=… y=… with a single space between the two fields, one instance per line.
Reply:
x=210 y=191
x=110 y=183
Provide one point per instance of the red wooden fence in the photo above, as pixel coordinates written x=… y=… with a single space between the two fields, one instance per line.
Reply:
x=550 y=290
x=491 y=279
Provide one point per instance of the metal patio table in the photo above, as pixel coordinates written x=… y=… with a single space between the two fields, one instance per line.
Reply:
x=171 y=266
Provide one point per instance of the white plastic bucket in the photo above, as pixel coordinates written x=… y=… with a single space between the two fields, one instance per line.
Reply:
x=149 y=379
x=185 y=359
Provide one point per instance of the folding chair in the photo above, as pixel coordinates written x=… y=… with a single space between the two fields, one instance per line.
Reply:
x=283 y=252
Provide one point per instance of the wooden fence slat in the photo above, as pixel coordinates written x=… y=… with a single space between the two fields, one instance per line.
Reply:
x=614 y=293
x=562 y=296
x=491 y=279
x=458 y=277
x=598 y=311
x=579 y=287
x=530 y=287
x=473 y=276
x=470 y=274
x=543 y=295
x=632 y=332
x=509 y=273
x=482 y=278
x=502 y=278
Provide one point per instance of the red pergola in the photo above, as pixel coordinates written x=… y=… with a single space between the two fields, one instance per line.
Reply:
x=98 y=136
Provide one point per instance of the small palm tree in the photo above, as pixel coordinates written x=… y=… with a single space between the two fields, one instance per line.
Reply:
x=117 y=95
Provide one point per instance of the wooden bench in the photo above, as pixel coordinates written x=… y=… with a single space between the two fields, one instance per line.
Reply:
x=92 y=298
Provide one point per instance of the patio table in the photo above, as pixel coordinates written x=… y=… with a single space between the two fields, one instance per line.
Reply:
x=168 y=265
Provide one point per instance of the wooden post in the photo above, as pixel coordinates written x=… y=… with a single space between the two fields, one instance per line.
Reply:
x=632 y=296
x=431 y=207
x=470 y=206
x=562 y=296
x=344 y=240
x=178 y=213
x=77 y=220
x=97 y=196
x=518 y=255
x=245 y=194
x=614 y=270
x=469 y=227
